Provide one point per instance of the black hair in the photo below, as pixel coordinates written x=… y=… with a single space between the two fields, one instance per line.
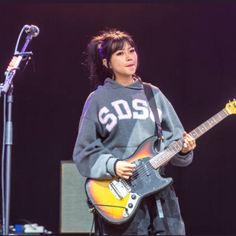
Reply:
x=102 y=47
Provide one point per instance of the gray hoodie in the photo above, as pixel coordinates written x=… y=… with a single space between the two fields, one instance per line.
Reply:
x=115 y=121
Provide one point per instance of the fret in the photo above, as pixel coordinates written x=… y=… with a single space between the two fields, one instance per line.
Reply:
x=213 y=118
x=179 y=145
x=199 y=130
x=211 y=122
x=194 y=134
x=205 y=126
x=166 y=155
x=225 y=112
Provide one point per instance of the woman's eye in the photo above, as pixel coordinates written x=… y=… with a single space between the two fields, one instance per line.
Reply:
x=132 y=50
x=119 y=53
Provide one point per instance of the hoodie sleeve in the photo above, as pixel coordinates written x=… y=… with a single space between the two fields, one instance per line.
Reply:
x=92 y=159
x=172 y=130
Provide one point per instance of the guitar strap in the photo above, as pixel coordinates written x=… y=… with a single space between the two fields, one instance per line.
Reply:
x=152 y=103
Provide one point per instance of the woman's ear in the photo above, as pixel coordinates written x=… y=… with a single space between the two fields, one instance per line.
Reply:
x=104 y=62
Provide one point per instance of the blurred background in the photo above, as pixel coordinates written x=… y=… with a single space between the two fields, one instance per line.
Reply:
x=186 y=49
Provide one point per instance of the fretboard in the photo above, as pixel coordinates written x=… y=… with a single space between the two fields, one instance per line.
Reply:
x=176 y=146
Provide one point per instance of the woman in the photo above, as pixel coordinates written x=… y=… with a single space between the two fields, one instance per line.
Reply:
x=116 y=119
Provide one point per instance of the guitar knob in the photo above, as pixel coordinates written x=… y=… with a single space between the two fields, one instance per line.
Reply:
x=130 y=205
x=133 y=196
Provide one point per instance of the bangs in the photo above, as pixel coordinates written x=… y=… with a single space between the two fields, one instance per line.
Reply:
x=118 y=44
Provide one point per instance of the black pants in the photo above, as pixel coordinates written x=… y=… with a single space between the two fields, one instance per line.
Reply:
x=150 y=218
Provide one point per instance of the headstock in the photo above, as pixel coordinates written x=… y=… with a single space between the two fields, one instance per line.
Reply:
x=231 y=107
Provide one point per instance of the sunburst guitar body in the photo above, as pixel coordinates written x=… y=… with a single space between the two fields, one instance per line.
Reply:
x=117 y=199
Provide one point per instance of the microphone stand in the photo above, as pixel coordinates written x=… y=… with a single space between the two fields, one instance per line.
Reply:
x=8 y=145
x=7 y=90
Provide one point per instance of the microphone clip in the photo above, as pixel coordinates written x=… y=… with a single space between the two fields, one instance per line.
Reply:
x=32 y=30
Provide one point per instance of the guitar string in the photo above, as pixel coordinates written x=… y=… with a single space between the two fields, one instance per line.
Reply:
x=165 y=157
x=141 y=170
x=195 y=133
x=176 y=146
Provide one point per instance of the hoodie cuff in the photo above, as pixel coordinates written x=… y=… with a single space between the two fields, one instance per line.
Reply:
x=111 y=165
x=185 y=155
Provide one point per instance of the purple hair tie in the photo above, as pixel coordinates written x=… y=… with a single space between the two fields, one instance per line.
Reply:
x=100 y=50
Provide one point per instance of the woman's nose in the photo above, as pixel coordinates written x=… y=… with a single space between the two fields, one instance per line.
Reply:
x=128 y=57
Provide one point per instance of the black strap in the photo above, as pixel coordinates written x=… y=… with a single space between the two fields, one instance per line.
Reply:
x=152 y=103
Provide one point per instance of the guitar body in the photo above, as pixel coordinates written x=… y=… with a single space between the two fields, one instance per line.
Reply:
x=117 y=199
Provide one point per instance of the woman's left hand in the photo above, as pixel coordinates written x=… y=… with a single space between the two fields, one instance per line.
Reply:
x=189 y=143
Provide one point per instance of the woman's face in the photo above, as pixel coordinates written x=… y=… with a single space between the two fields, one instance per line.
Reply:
x=124 y=62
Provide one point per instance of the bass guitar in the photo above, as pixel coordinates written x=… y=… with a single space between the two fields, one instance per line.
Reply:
x=116 y=200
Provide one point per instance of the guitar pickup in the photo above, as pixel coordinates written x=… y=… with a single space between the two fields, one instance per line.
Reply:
x=119 y=188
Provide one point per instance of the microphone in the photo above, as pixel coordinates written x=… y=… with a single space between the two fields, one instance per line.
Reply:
x=32 y=29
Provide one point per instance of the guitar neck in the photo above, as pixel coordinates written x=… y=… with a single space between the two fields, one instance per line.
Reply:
x=176 y=146
x=210 y=123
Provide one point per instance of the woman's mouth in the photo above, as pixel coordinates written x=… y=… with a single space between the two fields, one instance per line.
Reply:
x=130 y=65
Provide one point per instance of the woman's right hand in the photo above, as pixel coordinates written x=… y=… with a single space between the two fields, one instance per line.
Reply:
x=124 y=169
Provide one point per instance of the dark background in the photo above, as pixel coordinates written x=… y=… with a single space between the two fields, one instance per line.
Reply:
x=188 y=50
